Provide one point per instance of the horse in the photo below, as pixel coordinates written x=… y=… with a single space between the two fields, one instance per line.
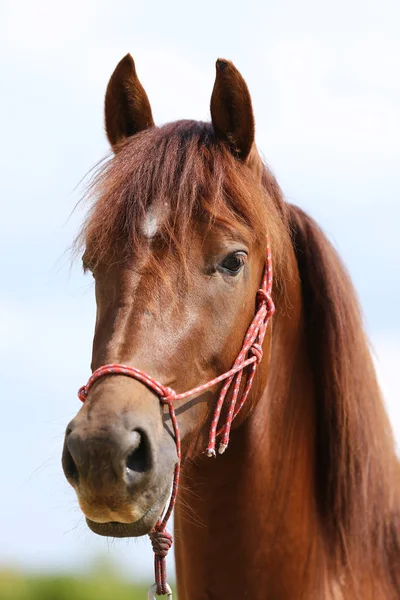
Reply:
x=305 y=502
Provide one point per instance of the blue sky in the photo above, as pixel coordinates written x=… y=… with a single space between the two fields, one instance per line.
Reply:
x=326 y=91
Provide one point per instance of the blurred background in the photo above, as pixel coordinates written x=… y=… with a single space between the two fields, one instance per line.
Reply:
x=325 y=82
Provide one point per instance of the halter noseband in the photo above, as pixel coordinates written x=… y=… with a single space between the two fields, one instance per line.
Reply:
x=249 y=356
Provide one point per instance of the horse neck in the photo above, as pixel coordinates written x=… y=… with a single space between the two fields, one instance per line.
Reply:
x=247 y=520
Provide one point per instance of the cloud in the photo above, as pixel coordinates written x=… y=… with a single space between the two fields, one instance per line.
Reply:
x=339 y=104
x=45 y=27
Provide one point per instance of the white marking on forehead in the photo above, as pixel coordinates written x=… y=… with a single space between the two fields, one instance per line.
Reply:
x=155 y=215
x=150 y=224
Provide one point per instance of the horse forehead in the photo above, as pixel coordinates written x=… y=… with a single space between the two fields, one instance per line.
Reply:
x=152 y=219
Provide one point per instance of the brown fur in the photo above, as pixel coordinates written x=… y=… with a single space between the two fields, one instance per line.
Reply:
x=305 y=503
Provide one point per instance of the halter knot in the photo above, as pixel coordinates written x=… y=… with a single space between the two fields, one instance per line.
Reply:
x=262 y=298
x=161 y=542
x=257 y=351
x=168 y=396
x=82 y=393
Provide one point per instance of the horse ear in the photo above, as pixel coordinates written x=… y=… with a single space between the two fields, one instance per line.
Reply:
x=231 y=109
x=127 y=107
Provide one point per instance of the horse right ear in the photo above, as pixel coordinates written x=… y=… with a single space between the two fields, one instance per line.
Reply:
x=127 y=107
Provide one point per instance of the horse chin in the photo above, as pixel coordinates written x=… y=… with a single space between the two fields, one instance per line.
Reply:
x=140 y=527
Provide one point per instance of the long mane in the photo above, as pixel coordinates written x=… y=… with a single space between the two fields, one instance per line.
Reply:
x=357 y=472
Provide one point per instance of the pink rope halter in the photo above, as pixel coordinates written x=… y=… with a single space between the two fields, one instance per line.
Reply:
x=249 y=356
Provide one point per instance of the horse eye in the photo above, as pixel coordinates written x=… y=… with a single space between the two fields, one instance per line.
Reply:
x=233 y=263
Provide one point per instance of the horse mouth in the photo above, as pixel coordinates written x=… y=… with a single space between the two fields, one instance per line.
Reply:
x=142 y=526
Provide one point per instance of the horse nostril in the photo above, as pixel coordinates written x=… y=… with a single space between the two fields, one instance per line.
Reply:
x=139 y=458
x=69 y=466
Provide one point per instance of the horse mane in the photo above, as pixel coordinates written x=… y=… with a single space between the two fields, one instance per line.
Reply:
x=186 y=175
x=357 y=472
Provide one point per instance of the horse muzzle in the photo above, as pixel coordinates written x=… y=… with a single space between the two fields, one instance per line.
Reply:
x=121 y=471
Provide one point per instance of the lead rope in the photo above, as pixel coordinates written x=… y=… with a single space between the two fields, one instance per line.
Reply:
x=161 y=540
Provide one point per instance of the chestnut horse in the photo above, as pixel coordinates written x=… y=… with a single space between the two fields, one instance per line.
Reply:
x=305 y=503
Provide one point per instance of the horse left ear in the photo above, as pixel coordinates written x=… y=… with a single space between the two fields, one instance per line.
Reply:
x=127 y=108
x=231 y=109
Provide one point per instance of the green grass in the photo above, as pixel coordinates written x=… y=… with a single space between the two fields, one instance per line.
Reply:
x=14 y=586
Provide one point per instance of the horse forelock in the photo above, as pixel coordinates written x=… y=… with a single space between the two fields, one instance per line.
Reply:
x=162 y=183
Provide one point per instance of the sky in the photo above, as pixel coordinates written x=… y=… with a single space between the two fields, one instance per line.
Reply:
x=325 y=83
